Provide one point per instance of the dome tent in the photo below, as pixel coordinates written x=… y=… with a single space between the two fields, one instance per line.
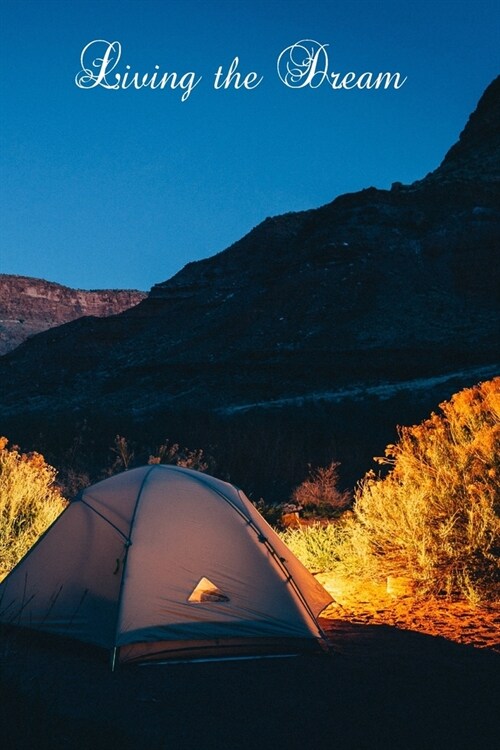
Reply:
x=166 y=562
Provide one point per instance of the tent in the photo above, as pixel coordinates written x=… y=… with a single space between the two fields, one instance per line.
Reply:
x=166 y=562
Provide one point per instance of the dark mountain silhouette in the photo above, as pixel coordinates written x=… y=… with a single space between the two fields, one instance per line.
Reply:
x=29 y=306
x=374 y=295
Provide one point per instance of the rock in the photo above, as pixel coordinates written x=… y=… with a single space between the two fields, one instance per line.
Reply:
x=29 y=306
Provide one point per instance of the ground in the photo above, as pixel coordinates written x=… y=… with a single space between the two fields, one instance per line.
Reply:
x=457 y=621
x=381 y=687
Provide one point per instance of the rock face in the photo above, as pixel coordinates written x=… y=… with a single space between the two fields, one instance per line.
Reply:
x=376 y=287
x=29 y=306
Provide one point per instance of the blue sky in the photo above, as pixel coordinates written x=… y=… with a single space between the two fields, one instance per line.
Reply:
x=103 y=188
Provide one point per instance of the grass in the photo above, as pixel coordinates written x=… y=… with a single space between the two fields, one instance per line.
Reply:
x=317 y=546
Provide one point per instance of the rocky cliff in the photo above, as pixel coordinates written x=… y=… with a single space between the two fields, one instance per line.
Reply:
x=29 y=306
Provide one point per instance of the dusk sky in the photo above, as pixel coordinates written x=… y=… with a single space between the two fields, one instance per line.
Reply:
x=121 y=188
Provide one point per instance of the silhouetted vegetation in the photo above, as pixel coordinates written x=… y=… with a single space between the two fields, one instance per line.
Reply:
x=266 y=452
x=319 y=493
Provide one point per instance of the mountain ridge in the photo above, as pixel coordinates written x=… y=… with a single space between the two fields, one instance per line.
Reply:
x=375 y=287
x=416 y=257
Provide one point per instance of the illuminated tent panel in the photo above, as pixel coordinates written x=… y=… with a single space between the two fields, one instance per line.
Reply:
x=162 y=562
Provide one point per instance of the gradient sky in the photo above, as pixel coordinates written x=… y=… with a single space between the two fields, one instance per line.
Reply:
x=122 y=188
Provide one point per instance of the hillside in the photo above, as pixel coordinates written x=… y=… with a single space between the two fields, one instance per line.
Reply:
x=375 y=290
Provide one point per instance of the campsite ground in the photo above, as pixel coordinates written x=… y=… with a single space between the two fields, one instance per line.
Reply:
x=371 y=604
x=383 y=687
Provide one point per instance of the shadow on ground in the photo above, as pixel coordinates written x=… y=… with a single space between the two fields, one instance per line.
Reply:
x=381 y=688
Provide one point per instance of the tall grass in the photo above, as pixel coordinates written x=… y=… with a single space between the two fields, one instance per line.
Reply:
x=318 y=547
x=29 y=502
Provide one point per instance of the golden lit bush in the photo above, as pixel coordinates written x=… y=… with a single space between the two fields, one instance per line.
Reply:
x=435 y=517
x=29 y=502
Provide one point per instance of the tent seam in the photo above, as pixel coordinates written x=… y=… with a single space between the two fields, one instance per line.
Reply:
x=128 y=543
x=101 y=515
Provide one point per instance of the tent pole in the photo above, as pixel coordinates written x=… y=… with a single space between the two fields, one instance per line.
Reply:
x=127 y=545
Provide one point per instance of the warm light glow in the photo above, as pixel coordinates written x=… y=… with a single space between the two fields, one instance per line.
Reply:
x=206 y=591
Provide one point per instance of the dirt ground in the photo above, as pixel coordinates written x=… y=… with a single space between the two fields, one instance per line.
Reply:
x=373 y=605
x=381 y=687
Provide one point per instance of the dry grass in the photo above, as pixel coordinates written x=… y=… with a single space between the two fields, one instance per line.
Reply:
x=29 y=502
x=318 y=546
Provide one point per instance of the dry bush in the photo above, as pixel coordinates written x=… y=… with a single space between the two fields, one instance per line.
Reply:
x=320 y=491
x=166 y=453
x=436 y=516
x=172 y=453
x=29 y=502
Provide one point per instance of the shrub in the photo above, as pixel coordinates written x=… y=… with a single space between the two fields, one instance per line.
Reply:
x=319 y=493
x=29 y=502
x=172 y=453
x=436 y=515
x=166 y=453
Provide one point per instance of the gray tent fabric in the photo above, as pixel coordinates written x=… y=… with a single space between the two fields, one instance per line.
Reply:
x=163 y=561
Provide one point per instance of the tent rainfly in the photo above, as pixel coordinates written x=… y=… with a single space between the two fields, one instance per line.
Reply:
x=165 y=562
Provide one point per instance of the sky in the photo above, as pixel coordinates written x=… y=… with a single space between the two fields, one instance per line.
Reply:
x=120 y=188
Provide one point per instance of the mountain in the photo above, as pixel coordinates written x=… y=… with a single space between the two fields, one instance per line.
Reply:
x=29 y=306
x=378 y=294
